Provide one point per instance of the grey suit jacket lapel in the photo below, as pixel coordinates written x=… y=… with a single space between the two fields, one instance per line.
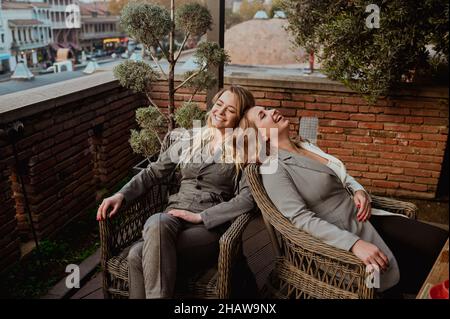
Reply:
x=305 y=162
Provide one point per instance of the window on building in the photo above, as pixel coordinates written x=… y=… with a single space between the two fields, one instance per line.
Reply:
x=19 y=32
x=3 y=38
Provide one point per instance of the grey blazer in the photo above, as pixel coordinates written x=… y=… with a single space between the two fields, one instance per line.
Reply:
x=314 y=199
x=209 y=189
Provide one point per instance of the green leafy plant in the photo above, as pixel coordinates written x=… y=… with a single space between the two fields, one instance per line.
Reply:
x=151 y=24
x=372 y=61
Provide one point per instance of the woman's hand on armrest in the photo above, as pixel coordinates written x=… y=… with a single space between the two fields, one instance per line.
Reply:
x=113 y=202
x=370 y=254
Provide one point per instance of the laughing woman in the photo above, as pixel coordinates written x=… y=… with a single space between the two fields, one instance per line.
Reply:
x=313 y=190
x=210 y=196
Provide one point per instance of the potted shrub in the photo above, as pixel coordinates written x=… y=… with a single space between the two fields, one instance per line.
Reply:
x=371 y=60
x=150 y=25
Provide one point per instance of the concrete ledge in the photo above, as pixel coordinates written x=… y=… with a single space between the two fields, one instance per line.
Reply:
x=29 y=102
x=87 y=268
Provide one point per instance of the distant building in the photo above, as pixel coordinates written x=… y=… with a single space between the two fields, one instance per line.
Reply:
x=263 y=42
x=66 y=25
x=99 y=29
x=25 y=33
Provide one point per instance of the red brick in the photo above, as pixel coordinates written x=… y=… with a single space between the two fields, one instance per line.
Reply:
x=337 y=115
x=379 y=161
x=278 y=96
x=405 y=164
x=426 y=112
x=272 y=103
x=354 y=173
x=303 y=97
x=328 y=129
x=426 y=180
x=431 y=166
x=258 y=94
x=294 y=104
x=390 y=118
x=328 y=99
x=344 y=108
x=400 y=178
x=409 y=136
x=373 y=126
x=374 y=175
x=385 y=184
x=318 y=106
x=363 y=117
x=414 y=120
x=359 y=139
x=355 y=131
x=327 y=143
x=317 y=114
x=424 y=158
x=397 y=127
x=425 y=129
x=435 y=137
x=435 y=121
x=423 y=143
x=339 y=123
x=354 y=100
x=414 y=187
x=334 y=137
x=357 y=167
x=392 y=170
x=417 y=172
x=381 y=140
x=353 y=159
x=358 y=152
x=396 y=111
x=340 y=151
x=394 y=155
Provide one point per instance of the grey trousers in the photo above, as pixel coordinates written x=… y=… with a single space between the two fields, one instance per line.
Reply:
x=169 y=247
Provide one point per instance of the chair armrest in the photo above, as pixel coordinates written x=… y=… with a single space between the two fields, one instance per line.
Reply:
x=395 y=206
x=126 y=226
x=298 y=245
x=230 y=247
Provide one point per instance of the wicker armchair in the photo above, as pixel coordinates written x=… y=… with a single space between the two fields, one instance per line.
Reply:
x=306 y=267
x=119 y=233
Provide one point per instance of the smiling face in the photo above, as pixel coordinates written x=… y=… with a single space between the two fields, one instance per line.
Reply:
x=267 y=119
x=224 y=113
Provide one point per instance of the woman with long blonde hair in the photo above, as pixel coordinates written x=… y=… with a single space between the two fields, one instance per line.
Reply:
x=185 y=237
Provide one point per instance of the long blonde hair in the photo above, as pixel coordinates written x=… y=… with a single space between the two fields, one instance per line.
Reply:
x=246 y=124
x=245 y=101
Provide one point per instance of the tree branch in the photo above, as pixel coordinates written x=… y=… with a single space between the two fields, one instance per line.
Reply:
x=156 y=106
x=162 y=50
x=181 y=48
x=159 y=65
x=193 y=94
x=189 y=78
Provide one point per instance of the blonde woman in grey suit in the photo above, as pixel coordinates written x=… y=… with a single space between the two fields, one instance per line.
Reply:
x=185 y=237
x=313 y=190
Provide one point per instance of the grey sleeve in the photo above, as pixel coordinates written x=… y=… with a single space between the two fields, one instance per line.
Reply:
x=226 y=211
x=283 y=193
x=153 y=174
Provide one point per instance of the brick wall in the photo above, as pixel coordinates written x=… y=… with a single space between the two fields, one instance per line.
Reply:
x=9 y=240
x=394 y=147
